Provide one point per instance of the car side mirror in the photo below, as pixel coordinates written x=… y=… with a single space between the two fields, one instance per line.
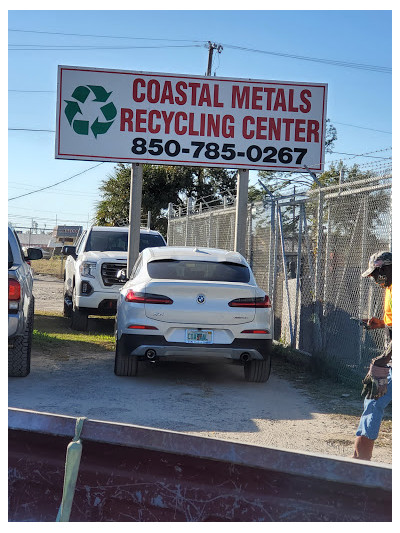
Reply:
x=69 y=250
x=33 y=253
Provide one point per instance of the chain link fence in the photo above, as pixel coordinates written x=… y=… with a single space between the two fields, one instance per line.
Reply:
x=308 y=254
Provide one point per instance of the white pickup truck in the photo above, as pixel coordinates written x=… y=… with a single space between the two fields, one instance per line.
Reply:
x=91 y=285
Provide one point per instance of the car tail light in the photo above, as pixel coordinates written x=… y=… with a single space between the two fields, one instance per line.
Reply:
x=256 y=331
x=139 y=326
x=14 y=294
x=262 y=301
x=14 y=290
x=145 y=298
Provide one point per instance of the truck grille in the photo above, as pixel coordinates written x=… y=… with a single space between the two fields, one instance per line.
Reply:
x=109 y=273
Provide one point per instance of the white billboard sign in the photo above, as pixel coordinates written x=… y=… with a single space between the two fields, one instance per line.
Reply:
x=178 y=119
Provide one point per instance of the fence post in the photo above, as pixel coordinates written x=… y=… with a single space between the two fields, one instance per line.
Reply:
x=271 y=262
x=317 y=281
x=327 y=246
x=275 y=204
x=363 y=281
x=296 y=318
x=169 y=228
x=187 y=221
x=285 y=274
x=320 y=231
x=209 y=229
x=250 y=236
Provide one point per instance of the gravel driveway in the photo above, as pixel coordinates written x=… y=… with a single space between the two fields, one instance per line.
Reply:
x=207 y=400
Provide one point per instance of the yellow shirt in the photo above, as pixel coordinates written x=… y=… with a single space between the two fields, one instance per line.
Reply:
x=387 y=317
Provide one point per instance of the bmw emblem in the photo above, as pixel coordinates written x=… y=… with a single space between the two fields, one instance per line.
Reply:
x=201 y=299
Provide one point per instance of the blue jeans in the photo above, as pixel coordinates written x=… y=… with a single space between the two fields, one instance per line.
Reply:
x=371 y=419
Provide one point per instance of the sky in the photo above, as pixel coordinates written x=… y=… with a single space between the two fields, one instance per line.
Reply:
x=175 y=41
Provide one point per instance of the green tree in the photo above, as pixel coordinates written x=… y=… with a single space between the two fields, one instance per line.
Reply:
x=162 y=184
x=278 y=182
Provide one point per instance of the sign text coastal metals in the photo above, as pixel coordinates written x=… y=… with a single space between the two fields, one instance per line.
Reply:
x=124 y=116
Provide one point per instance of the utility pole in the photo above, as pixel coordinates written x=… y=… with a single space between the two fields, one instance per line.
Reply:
x=211 y=48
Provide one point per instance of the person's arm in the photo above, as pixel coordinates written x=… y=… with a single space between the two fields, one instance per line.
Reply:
x=374 y=323
x=384 y=358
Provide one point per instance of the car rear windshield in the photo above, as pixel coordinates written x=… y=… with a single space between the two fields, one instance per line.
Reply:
x=198 y=270
x=117 y=241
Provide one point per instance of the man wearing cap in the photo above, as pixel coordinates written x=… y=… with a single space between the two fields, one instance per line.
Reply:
x=378 y=381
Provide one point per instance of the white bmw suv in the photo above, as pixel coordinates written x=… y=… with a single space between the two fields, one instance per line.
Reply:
x=193 y=304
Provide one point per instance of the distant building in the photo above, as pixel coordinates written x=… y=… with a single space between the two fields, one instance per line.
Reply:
x=65 y=235
x=50 y=242
x=34 y=240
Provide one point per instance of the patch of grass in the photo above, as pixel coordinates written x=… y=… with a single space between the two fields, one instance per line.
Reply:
x=52 y=333
x=52 y=267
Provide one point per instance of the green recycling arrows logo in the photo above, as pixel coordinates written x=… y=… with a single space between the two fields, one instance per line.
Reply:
x=107 y=112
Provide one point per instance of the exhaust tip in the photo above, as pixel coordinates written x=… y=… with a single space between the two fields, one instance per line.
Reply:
x=245 y=357
x=151 y=354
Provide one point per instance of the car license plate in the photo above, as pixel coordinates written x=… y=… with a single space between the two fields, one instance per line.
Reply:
x=199 y=336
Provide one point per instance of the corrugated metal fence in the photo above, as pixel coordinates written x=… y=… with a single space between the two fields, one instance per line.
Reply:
x=308 y=254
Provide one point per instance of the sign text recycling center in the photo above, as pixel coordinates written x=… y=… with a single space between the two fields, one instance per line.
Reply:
x=178 y=119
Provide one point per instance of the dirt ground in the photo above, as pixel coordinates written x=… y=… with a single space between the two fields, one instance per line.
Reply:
x=206 y=400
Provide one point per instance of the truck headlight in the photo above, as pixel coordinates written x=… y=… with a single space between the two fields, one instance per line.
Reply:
x=88 y=269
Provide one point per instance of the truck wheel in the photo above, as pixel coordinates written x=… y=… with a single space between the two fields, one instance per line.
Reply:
x=257 y=371
x=125 y=365
x=79 y=319
x=19 y=356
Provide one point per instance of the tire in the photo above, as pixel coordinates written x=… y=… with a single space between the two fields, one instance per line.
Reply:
x=257 y=371
x=19 y=356
x=79 y=319
x=125 y=365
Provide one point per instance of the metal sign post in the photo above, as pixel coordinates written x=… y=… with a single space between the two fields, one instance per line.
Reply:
x=135 y=204
x=241 y=211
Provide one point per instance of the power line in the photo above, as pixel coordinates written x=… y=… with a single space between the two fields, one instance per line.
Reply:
x=28 y=91
x=108 y=36
x=361 y=155
x=53 y=47
x=43 y=219
x=338 y=63
x=59 y=193
x=30 y=129
x=54 y=184
x=361 y=127
x=334 y=62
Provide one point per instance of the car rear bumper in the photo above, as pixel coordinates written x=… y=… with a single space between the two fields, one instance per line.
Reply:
x=238 y=350
x=15 y=324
